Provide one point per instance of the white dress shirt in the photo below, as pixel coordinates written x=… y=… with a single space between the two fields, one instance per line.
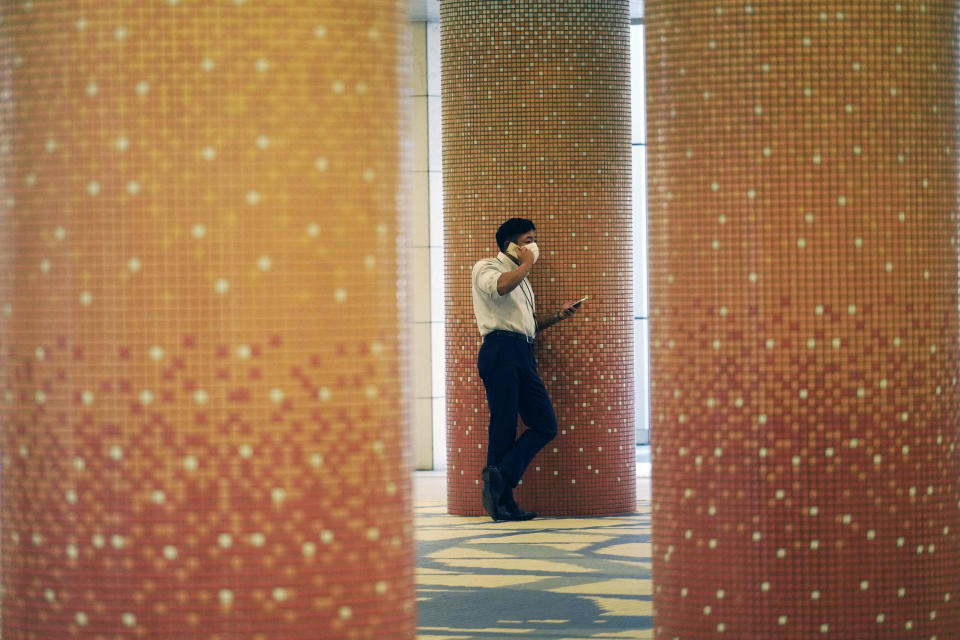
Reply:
x=514 y=311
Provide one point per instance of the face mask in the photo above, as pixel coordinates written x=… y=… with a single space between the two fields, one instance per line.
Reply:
x=512 y=250
x=536 y=251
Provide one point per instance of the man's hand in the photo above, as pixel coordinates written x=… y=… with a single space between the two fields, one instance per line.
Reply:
x=525 y=256
x=568 y=309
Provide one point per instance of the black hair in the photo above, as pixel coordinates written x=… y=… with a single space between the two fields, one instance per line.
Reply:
x=512 y=229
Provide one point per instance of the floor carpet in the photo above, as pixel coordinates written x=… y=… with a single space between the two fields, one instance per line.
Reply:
x=549 y=578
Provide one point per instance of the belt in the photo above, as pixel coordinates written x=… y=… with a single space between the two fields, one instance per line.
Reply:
x=510 y=334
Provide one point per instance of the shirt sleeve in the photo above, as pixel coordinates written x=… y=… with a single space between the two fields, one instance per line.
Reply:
x=485 y=277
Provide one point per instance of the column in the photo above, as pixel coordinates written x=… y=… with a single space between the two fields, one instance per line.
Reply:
x=203 y=413
x=536 y=124
x=803 y=260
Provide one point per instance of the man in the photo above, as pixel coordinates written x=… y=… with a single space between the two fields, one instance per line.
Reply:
x=505 y=309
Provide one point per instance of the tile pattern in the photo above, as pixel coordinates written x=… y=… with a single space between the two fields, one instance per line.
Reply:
x=803 y=261
x=536 y=122
x=560 y=579
x=202 y=419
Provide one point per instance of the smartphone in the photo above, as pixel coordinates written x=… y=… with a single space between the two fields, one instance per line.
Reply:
x=513 y=250
x=580 y=301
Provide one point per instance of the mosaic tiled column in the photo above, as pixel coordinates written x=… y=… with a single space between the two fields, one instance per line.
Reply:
x=803 y=194
x=536 y=124
x=202 y=429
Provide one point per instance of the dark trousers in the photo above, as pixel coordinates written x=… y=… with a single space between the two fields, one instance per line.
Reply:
x=509 y=373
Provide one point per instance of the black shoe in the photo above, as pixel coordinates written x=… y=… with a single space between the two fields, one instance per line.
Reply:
x=518 y=515
x=510 y=510
x=494 y=485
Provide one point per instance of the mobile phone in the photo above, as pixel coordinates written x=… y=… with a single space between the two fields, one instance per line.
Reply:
x=580 y=301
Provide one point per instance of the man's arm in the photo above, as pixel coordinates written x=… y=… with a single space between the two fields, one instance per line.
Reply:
x=547 y=320
x=509 y=280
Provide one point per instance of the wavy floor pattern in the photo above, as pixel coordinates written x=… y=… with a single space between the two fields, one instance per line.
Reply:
x=550 y=578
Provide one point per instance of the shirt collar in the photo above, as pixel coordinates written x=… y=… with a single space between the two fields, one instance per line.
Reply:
x=504 y=258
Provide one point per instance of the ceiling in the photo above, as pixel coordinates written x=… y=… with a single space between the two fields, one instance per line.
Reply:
x=429 y=10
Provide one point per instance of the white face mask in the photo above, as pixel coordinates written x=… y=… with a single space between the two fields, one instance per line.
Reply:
x=512 y=250
x=536 y=251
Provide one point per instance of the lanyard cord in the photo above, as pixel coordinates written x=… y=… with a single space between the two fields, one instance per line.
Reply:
x=533 y=307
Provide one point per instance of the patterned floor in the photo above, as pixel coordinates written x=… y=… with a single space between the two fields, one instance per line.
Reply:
x=550 y=578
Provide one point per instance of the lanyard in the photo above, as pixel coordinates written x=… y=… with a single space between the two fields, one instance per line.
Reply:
x=529 y=298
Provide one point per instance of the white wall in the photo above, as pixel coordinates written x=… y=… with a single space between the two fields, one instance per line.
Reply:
x=420 y=252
